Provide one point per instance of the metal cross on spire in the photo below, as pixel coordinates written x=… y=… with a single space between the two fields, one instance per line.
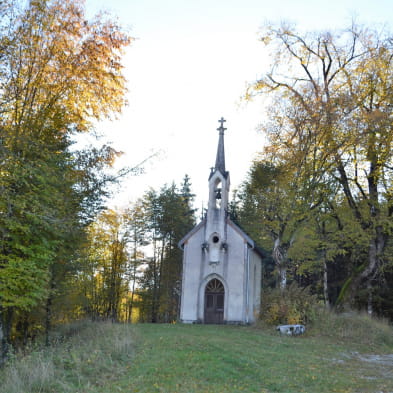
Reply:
x=221 y=128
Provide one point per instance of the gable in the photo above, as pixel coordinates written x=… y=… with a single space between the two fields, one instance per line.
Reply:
x=193 y=232
x=234 y=226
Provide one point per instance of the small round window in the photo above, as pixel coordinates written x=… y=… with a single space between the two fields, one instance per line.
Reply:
x=215 y=239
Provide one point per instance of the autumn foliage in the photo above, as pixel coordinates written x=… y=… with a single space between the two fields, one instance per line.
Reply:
x=59 y=73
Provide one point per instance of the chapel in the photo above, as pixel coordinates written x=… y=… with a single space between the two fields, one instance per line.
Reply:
x=222 y=266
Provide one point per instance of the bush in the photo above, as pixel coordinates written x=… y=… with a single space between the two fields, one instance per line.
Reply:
x=294 y=305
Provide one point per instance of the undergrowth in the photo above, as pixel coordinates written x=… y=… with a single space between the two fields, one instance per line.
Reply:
x=83 y=356
x=352 y=326
x=292 y=305
x=296 y=305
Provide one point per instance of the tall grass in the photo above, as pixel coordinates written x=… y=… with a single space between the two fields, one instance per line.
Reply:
x=83 y=357
x=353 y=326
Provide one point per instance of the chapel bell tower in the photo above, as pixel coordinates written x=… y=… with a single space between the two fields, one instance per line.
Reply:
x=216 y=234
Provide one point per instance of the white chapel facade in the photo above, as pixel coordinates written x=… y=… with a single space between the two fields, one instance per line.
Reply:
x=221 y=265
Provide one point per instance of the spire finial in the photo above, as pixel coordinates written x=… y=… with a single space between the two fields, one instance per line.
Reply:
x=221 y=128
x=220 y=158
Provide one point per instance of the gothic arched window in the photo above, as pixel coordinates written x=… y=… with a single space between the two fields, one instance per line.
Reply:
x=214 y=286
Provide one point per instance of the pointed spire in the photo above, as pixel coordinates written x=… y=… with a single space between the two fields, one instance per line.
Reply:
x=220 y=158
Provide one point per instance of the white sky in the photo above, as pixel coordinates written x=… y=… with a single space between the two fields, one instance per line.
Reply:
x=189 y=66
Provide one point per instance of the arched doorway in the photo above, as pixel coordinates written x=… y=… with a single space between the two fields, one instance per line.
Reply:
x=214 y=301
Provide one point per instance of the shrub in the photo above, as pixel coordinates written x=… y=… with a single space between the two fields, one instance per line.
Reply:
x=293 y=305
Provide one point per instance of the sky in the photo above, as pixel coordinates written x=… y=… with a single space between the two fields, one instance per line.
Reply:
x=189 y=65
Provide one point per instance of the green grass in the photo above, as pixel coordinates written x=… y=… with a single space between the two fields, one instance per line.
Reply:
x=106 y=358
x=198 y=358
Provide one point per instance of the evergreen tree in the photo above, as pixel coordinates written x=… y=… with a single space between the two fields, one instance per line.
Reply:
x=170 y=216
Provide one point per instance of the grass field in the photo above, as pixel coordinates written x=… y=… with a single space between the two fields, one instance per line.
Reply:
x=176 y=358
x=107 y=358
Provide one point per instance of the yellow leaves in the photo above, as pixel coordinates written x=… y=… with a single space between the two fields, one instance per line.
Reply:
x=67 y=63
x=266 y=39
x=377 y=115
x=260 y=86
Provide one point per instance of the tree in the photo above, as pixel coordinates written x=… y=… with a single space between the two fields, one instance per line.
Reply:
x=107 y=283
x=58 y=74
x=276 y=199
x=169 y=216
x=137 y=231
x=339 y=85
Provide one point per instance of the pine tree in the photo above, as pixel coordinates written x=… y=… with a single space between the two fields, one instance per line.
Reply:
x=170 y=216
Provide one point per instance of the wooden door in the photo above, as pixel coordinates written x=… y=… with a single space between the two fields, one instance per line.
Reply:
x=214 y=302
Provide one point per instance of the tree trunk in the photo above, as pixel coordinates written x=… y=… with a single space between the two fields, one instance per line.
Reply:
x=279 y=259
x=325 y=284
x=370 y=299
x=48 y=310
x=2 y=349
x=131 y=307
x=5 y=330
x=322 y=230
x=376 y=248
x=283 y=277
x=48 y=319
x=154 y=305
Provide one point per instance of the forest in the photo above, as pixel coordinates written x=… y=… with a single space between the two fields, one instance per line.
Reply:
x=318 y=199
